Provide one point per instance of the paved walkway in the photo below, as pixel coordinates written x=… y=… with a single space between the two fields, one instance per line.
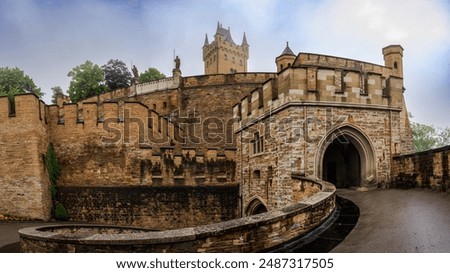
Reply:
x=392 y=220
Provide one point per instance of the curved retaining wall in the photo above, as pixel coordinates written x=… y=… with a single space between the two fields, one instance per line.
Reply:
x=248 y=234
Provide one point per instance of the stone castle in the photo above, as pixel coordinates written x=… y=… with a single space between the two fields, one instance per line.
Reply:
x=188 y=151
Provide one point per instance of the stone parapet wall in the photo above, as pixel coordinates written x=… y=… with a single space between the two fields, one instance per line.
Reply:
x=255 y=233
x=224 y=79
x=154 y=207
x=328 y=61
x=428 y=169
x=162 y=84
x=330 y=88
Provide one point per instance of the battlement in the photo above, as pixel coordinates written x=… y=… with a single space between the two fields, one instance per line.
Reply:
x=126 y=122
x=318 y=85
x=23 y=108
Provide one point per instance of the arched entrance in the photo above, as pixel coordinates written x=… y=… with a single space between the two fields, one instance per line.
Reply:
x=255 y=207
x=346 y=158
x=342 y=164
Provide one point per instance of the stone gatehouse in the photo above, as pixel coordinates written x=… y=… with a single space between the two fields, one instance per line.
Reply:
x=325 y=117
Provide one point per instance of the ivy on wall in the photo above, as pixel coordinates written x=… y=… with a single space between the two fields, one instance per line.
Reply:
x=54 y=171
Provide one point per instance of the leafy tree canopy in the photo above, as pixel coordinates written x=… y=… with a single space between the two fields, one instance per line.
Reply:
x=151 y=74
x=13 y=81
x=116 y=74
x=87 y=81
x=426 y=137
x=57 y=91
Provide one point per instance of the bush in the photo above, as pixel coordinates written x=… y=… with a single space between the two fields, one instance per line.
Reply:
x=61 y=213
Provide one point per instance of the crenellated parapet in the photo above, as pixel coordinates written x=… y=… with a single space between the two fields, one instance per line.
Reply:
x=343 y=83
x=24 y=107
x=114 y=122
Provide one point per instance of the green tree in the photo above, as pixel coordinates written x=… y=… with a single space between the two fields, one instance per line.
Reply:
x=443 y=137
x=14 y=81
x=116 y=74
x=87 y=81
x=426 y=137
x=151 y=74
x=57 y=91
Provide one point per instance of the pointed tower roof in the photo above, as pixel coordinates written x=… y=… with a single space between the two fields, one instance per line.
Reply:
x=244 y=41
x=206 y=40
x=287 y=50
x=226 y=33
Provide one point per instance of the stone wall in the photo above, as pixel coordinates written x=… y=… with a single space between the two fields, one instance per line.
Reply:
x=24 y=183
x=206 y=104
x=428 y=169
x=255 y=233
x=154 y=207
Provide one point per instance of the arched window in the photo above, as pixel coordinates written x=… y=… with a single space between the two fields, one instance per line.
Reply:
x=395 y=65
x=281 y=67
x=225 y=57
x=232 y=59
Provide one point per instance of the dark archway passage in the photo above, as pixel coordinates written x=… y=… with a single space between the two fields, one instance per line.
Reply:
x=255 y=207
x=346 y=157
x=342 y=164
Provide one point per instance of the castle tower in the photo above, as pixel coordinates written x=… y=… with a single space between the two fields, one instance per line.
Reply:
x=223 y=55
x=286 y=59
x=393 y=58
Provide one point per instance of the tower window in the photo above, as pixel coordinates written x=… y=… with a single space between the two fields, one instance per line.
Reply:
x=395 y=65
x=258 y=144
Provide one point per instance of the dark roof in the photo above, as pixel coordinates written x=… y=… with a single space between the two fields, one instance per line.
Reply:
x=225 y=33
x=244 y=40
x=287 y=50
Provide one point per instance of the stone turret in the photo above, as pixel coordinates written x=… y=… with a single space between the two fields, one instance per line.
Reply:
x=393 y=58
x=286 y=59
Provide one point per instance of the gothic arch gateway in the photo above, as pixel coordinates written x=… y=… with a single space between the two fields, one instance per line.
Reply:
x=346 y=158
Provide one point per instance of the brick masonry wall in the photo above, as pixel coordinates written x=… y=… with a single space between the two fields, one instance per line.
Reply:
x=428 y=169
x=159 y=208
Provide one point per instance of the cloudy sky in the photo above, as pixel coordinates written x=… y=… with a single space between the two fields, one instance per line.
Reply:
x=47 y=39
